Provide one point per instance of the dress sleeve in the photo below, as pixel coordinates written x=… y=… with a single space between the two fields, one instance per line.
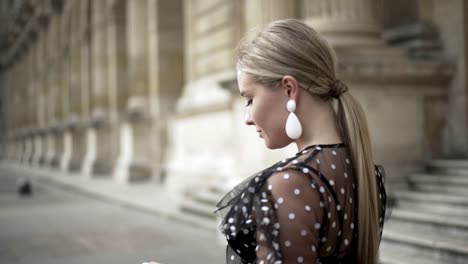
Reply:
x=290 y=219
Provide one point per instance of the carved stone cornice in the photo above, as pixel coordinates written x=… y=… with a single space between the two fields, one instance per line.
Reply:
x=395 y=67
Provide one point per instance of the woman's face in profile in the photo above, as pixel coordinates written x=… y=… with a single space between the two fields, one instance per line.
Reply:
x=266 y=110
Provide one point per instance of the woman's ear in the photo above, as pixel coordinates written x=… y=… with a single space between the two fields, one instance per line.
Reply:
x=291 y=87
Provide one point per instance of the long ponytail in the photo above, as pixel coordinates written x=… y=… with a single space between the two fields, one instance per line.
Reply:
x=352 y=124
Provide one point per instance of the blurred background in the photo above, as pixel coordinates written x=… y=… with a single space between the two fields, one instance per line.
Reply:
x=121 y=123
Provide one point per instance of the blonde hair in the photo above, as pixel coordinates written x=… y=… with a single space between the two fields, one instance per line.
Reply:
x=290 y=47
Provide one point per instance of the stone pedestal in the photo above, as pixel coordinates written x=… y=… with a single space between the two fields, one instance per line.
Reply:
x=102 y=146
x=78 y=152
x=200 y=137
x=38 y=140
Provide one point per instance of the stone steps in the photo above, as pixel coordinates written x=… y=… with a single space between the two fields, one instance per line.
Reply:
x=441 y=209
x=445 y=184
x=197 y=207
x=448 y=167
x=435 y=198
x=439 y=246
x=430 y=223
x=395 y=253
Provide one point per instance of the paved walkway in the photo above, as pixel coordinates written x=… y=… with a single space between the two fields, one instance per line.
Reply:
x=112 y=223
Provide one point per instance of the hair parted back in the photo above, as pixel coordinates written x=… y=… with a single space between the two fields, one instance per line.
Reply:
x=290 y=47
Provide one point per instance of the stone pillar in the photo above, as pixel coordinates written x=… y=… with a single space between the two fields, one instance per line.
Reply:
x=65 y=86
x=451 y=19
x=155 y=55
x=345 y=23
x=102 y=149
x=260 y=12
x=78 y=85
x=212 y=31
x=136 y=109
x=54 y=82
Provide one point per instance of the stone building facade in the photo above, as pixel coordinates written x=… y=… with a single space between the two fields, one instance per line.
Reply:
x=138 y=89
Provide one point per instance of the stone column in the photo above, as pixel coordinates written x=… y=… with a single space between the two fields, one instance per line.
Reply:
x=42 y=93
x=78 y=89
x=65 y=86
x=102 y=149
x=155 y=54
x=54 y=82
x=260 y=12
x=345 y=23
x=136 y=105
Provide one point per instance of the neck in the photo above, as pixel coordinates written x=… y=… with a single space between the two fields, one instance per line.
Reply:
x=321 y=129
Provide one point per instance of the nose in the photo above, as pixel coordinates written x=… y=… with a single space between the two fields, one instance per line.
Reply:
x=248 y=119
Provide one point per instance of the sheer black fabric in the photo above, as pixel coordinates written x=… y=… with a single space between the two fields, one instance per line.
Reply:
x=300 y=210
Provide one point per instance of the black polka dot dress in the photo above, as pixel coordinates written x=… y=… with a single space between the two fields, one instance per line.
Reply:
x=300 y=210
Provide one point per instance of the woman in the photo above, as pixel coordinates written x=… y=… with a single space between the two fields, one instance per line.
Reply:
x=325 y=204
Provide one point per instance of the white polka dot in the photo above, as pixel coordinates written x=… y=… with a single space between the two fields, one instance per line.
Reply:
x=287 y=243
x=333 y=166
x=332 y=182
x=334 y=152
x=314 y=249
x=347 y=161
x=322 y=190
x=305 y=170
x=317 y=226
x=297 y=191
x=338 y=207
x=313 y=185
x=280 y=200
x=317 y=160
x=279 y=169
x=342 y=191
x=346 y=175
x=292 y=216
x=266 y=220
x=324 y=239
x=303 y=232
x=294 y=161
x=232 y=257
x=345 y=216
x=300 y=259
x=248 y=221
x=346 y=242
x=245 y=231
x=305 y=151
x=322 y=204
x=352 y=225
x=318 y=148
x=270 y=187
x=328 y=248
x=276 y=225
x=307 y=208
x=233 y=228
x=334 y=224
x=350 y=200
x=286 y=176
x=231 y=220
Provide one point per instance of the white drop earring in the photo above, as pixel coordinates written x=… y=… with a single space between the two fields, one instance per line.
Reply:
x=293 y=126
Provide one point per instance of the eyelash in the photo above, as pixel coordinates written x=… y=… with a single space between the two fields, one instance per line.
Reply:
x=249 y=102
